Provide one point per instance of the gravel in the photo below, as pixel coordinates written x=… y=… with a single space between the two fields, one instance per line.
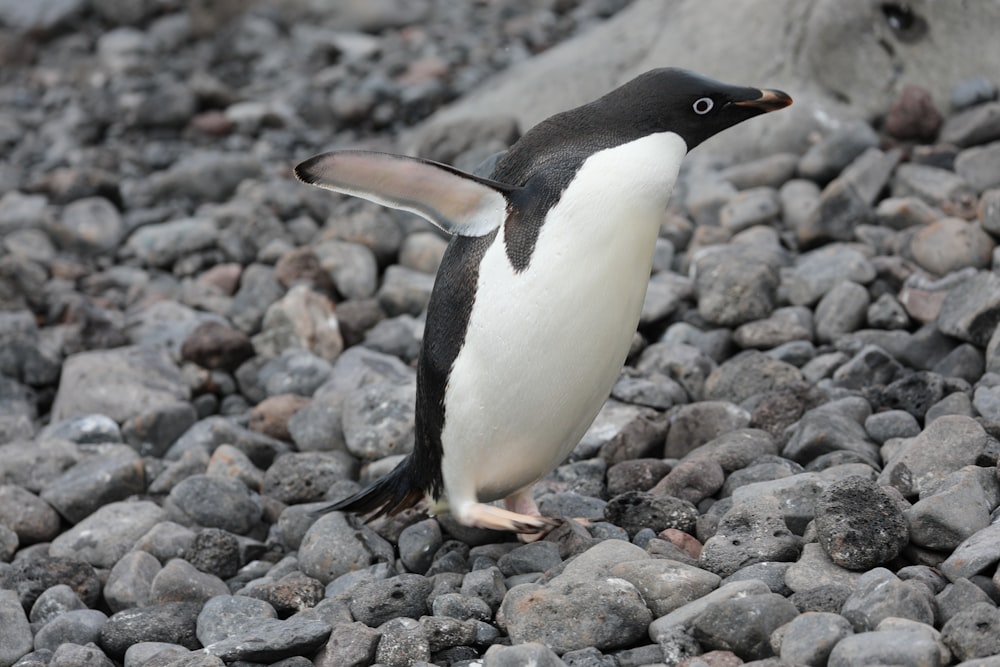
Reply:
x=798 y=463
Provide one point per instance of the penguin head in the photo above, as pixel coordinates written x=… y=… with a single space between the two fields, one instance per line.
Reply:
x=688 y=104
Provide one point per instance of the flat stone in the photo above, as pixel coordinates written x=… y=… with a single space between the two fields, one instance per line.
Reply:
x=105 y=536
x=130 y=381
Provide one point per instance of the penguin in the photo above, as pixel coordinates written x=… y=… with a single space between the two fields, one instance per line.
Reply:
x=540 y=289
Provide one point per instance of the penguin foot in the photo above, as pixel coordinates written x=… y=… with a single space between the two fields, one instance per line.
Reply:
x=481 y=515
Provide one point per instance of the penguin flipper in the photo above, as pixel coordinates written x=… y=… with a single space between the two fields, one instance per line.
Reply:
x=390 y=495
x=457 y=202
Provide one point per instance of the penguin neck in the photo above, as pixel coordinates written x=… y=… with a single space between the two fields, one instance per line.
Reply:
x=619 y=194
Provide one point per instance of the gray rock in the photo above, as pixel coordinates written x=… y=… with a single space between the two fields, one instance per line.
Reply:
x=171 y=622
x=782 y=326
x=258 y=290
x=302 y=477
x=404 y=291
x=870 y=366
x=666 y=585
x=25 y=355
x=269 y=640
x=841 y=310
x=486 y=584
x=378 y=420
x=665 y=292
x=735 y=449
x=954 y=509
x=698 y=423
x=938 y=187
x=905 y=212
x=809 y=638
x=817 y=272
x=210 y=433
x=814 y=569
x=399 y=336
x=947 y=245
x=974 y=555
x=349 y=644
x=764 y=469
x=530 y=653
x=752 y=531
x=609 y=614
x=295 y=371
x=685 y=364
x=771 y=573
x=743 y=625
x=133 y=379
x=78 y=626
x=974 y=632
x=827 y=429
x=403 y=642
x=972 y=91
x=535 y=557
x=635 y=475
x=971 y=310
x=113 y=473
x=215 y=502
x=859 y=525
x=333 y=547
x=179 y=581
x=224 y=616
x=691 y=480
x=53 y=602
x=880 y=595
x=734 y=285
x=162 y=244
x=834 y=151
x=771 y=170
x=636 y=510
x=755 y=206
x=899 y=647
x=302 y=318
x=976 y=125
x=130 y=581
x=106 y=535
x=977 y=165
x=26 y=514
x=89 y=225
x=947 y=444
x=883 y=426
x=74 y=655
x=379 y=601
x=747 y=375
x=16 y=639
x=958 y=597
x=652 y=390
x=988 y=211
x=987 y=402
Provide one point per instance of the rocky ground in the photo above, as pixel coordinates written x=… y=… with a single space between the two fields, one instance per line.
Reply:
x=797 y=466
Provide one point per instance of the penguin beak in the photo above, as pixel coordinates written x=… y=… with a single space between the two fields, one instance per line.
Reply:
x=769 y=100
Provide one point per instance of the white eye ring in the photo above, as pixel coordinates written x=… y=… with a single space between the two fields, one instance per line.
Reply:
x=703 y=105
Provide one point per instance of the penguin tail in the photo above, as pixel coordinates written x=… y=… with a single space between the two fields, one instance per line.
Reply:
x=390 y=495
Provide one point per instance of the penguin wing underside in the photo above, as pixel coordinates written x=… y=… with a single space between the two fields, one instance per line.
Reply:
x=457 y=202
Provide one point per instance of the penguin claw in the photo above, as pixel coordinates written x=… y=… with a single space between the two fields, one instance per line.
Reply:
x=480 y=515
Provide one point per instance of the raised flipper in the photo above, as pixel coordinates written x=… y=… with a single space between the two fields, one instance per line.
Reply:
x=457 y=202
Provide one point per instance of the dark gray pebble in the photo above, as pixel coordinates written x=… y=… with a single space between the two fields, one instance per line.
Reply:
x=859 y=524
x=269 y=639
x=973 y=632
x=636 y=510
x=880 y=595
x=216 y=502
x=404 y=595
x=743 y=625
x=172 y=622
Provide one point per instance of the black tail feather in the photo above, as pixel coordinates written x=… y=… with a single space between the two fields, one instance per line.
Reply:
x=388 y=496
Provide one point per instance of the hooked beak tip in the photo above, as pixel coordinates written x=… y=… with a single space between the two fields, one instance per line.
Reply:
x=769 y=100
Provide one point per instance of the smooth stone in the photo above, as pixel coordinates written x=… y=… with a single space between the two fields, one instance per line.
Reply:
x=106 y=535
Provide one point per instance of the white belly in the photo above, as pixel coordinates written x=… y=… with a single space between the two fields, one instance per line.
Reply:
x=545 y=346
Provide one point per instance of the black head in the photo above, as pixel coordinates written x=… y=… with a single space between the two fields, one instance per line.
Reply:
x=688 y=104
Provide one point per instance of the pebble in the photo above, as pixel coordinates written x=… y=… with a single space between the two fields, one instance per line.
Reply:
x=171 y=622
x=947 y=444
x=859 y=525
x=743 y=625
x=954 y=509
x=898 y=647
x=215 y=502
x=752 y=531
x=880 y=595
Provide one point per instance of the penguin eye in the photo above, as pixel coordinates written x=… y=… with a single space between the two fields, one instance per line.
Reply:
x=703 y=105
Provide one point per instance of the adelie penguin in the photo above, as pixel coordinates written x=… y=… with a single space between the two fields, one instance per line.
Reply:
x=540 y=289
